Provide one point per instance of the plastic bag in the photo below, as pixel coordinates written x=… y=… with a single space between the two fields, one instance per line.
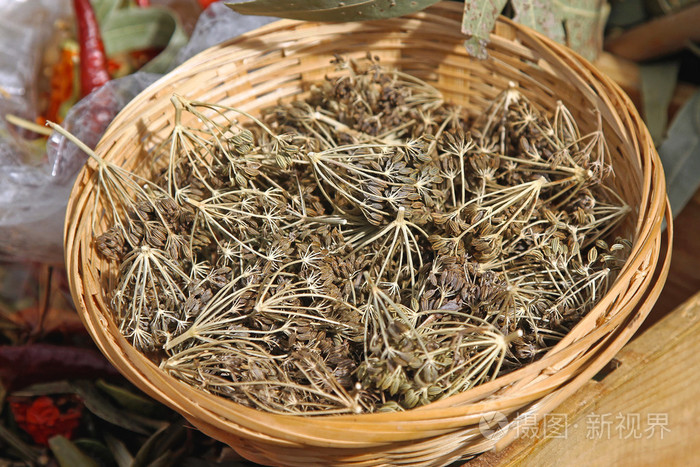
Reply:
x=35 y=184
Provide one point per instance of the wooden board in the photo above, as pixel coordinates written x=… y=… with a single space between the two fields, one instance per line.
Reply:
x=644 y=412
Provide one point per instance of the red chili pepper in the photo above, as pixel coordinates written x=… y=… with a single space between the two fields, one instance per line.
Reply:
x=43 y=419
x=143 y=3
x=205 y=3
x=93 y=60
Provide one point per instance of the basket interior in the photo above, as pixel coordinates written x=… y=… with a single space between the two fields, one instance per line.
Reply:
x=262 y=78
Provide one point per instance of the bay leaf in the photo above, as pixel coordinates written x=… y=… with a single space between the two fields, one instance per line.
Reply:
x=119 y=451
x=159 y=448
x=103 y=8
x=100 y=406
x=68 y=455
x=540 y=15
x=45 y=389
x=477 y=22
x=658 y=83
x=584 y=22
x=132 y=29
x=131 y=401
x=136 y=29
x=331 y=10
x=95 y=450
x=680 y=154
x=11 y=441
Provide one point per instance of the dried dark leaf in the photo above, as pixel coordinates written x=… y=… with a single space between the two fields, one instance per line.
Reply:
x=331 y=10
x=68 y=455
x=95 y=450
x=197 y=462
x=100 y=406
x=159 y=448
x=120 y=452
x=45 y=389
x=15 y=443
x=131 y=401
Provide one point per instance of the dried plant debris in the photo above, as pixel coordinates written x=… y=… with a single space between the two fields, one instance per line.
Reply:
x=367 y=249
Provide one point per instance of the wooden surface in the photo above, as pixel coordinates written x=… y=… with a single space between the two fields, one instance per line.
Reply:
x=644 y=412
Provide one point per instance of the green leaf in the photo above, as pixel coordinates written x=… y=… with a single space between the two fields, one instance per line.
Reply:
x=68 y=455
x=477 y=21
x=680 y=155
x=166 y=459
x=584 y=22
x=103 y=408
x=95 y=450
x=658 y=83
x=12 y=441
x=158 y=449
x=331 y=10
x=131 y=401
x=198 y=462
x=45 y=389
x=131 y=29
x=103 y=8
x=539 y=15
x=120 y=453
x=136 y=29
x=163 y=61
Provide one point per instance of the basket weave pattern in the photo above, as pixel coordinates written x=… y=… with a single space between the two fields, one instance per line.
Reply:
x=280 y=61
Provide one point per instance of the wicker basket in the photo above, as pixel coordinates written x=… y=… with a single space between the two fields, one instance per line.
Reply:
x=279 y=61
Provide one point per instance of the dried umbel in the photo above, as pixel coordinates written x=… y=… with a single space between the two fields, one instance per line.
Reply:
x=369 y=248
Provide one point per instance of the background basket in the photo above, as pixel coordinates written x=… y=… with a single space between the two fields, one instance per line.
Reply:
x=280 y=61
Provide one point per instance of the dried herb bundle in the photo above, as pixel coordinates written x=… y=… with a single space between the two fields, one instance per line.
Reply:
x=368 y=248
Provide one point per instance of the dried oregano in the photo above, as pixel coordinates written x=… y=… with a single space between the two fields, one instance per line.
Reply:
x=368 y=248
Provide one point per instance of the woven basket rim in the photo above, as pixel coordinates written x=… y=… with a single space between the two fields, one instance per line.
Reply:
x=446 y=415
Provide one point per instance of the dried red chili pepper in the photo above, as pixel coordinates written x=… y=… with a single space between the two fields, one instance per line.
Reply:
x=205 y=3
x=43 y=419
x=93 y=60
